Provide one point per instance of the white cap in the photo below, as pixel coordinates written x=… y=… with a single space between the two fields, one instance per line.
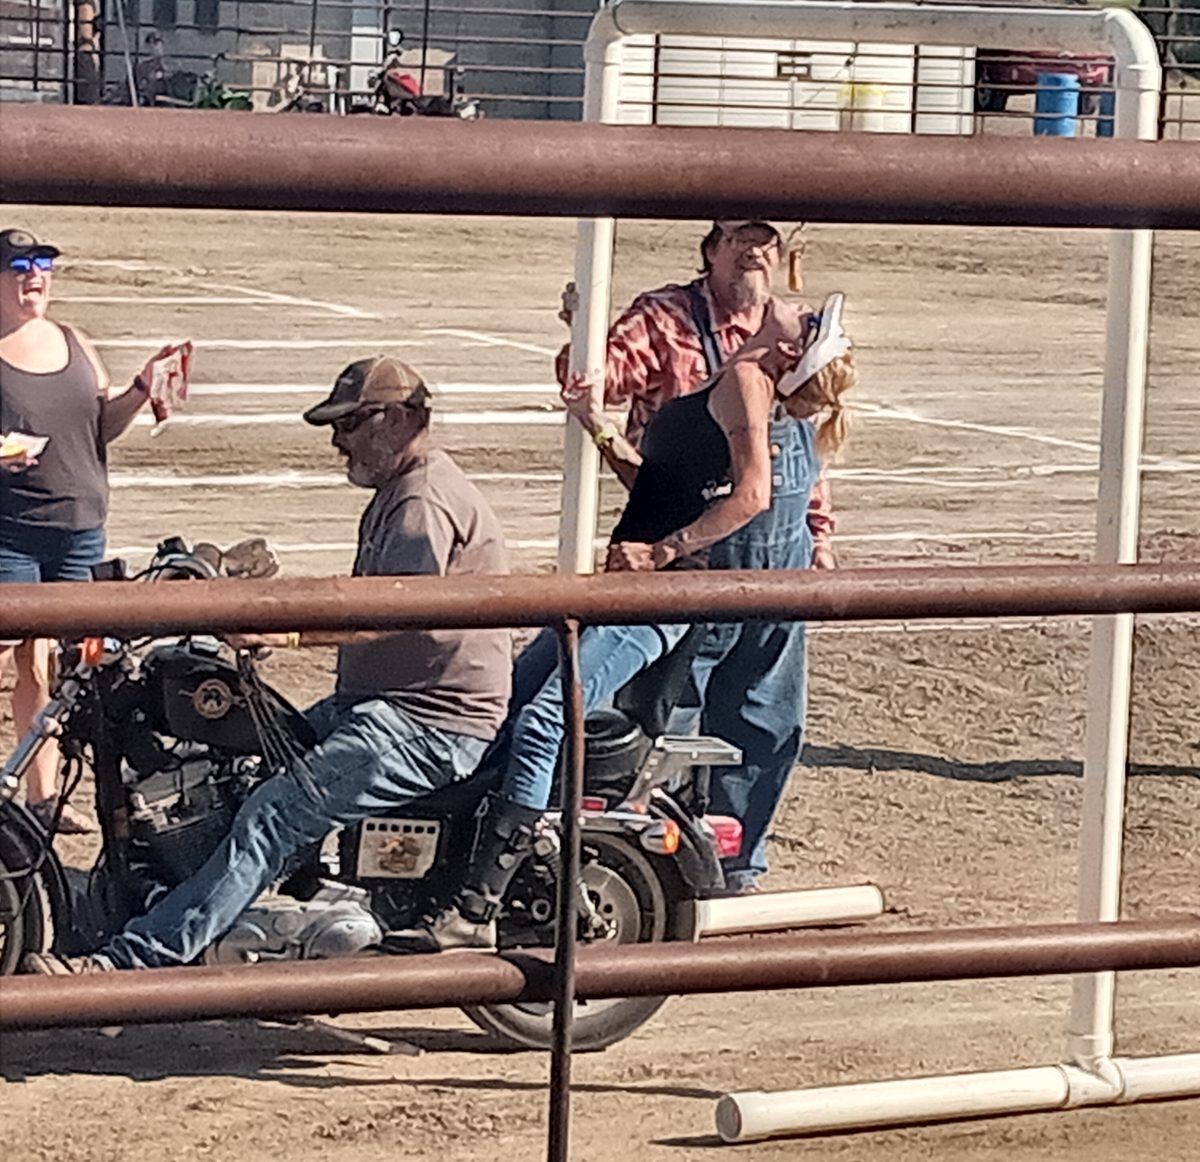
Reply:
x=827 y=343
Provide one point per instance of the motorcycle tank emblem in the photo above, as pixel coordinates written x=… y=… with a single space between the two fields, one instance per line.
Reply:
x=212 y=699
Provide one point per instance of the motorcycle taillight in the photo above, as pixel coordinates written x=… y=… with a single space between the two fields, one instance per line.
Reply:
x=726 y=833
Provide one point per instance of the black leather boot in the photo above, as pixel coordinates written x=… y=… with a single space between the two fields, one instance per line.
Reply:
x=505 y=838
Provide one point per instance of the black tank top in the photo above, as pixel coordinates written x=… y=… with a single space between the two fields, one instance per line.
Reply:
x=68 y=487
x=685 y=468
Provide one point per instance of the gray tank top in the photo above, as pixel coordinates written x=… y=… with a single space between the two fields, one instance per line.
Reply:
x=68 y=487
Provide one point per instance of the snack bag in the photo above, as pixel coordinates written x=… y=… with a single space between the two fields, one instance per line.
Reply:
x=170 y=374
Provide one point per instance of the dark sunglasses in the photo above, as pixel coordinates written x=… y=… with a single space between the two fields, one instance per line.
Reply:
x=24 y=264
x=355 y=420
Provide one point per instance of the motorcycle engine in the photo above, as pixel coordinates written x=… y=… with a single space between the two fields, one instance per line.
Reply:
x=178 y=816
x=335 y=922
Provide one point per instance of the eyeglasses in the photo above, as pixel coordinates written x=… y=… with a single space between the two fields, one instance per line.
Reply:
x=24 y=264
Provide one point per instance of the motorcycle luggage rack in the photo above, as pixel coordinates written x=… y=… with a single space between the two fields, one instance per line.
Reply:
x=672 y=753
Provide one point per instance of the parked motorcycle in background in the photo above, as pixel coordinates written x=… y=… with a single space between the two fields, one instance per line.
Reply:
x=398 y=90
x=160 y=85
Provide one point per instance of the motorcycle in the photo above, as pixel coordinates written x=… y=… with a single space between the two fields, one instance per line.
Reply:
x=396 y=92
x=161 y=86
x=178 y=732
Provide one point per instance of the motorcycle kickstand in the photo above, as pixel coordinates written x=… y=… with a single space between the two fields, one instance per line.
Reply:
x=353 y=1037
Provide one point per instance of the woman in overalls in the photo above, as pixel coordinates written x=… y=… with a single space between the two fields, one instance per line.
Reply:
x=760 y=668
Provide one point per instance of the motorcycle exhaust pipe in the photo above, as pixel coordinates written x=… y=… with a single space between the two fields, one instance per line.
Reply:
x=780 y=911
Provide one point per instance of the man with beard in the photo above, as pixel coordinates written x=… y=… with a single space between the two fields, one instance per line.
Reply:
x=412 y=711
x=670 y=341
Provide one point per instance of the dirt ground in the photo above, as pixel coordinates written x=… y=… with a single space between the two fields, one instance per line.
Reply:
x=943 y=761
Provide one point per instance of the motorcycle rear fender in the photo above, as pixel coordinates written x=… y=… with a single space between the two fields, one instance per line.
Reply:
x=22 y=838
x=695 y=862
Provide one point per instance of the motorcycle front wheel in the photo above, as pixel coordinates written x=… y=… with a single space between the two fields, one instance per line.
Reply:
x=25 y=913
x=625 y=890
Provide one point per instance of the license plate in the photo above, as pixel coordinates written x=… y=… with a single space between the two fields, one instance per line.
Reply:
x=397 y=849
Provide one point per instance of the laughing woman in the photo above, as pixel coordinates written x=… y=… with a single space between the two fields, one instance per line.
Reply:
x=57 y=419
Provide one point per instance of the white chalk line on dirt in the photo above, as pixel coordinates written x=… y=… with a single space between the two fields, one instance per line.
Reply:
x=546 y=543
x=266 y=296
x=490 y=340
x=278 y=419
x=875 y=538
x=238 y=294
x=553 y=417
x=302 y=479
x=135 y=264
x=292 y=479
x=161 y=300
x=942 y=476
x=322 y=389
x=299 y=479
x=977 y=626
x=329 y=344
x=907 y=415
x=257 y=344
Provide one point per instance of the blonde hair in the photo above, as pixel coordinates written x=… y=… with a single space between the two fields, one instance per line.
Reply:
x=827 y=387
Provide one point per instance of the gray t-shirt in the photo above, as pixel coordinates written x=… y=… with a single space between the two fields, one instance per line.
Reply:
x=432 y=520
x=68 y=487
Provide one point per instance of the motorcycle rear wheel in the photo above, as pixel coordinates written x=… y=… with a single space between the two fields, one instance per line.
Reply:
x=625 y=889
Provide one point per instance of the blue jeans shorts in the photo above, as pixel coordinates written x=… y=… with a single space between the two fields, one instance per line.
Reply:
x=29 y=554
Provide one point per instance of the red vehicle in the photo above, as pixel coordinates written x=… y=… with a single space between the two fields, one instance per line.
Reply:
x=1004 y=73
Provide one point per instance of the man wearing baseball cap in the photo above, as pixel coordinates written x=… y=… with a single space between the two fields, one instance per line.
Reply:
x=412 y=711
x=670 y=341
x=368 y=385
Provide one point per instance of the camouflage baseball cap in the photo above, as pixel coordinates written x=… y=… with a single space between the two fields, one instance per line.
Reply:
x=378 y=380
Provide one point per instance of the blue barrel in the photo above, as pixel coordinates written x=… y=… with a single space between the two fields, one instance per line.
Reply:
x=1056 y=111
x=1108 y=106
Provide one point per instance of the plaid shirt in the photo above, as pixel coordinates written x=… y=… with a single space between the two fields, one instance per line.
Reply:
x=655 y=356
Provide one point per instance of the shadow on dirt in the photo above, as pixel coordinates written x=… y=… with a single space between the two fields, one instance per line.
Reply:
x=250 y=1049
x=880 y=759
x=262 y=1051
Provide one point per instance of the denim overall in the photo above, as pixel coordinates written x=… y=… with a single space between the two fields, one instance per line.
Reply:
x=757 y=670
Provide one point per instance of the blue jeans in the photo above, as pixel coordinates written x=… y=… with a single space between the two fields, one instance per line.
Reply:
x=29 y=554
x=752 y=677
x=609 y=656
x=372 y=757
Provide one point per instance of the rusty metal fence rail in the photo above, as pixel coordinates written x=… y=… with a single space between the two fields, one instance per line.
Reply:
x=422 y=166
x=340 y=604
x=378 y=984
